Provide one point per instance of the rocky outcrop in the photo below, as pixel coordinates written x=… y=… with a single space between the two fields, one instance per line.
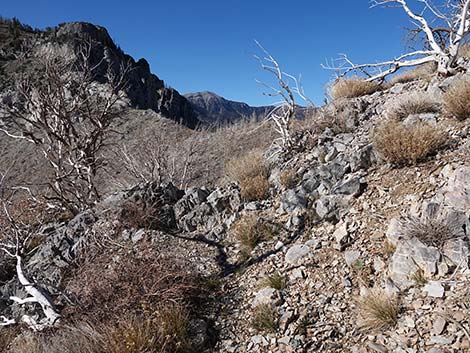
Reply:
x=446 y=216
x=144 y=89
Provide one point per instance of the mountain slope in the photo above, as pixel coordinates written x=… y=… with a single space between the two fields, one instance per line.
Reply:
x=21 y=47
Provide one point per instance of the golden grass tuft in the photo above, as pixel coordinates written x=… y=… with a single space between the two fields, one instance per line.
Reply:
x=265 y=318
x=401 y=144
x=276 y=281
x=419 y=278
x=457 y=99
x=288 y=178
x=166 y=333
x=353 y=87
x=249 y=231
x=414 y=103
x=251 y=172
x=378 y=309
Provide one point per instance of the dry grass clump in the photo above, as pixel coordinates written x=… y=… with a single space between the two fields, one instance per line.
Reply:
x=464 y=51
x=250 y=230
x=129 y=334
x=7 y=335
x=251 y=172
x=424 y=71
x=288 y=178
x=419 y=278
x=265 y=318
x=389 y=248
x=167 y=332
x=457 y=99
x=432 y=230
x=353 y=87
x=415 y=103
x=403 y=144
x=340 y=116
x=378 y=309
x=276 y=281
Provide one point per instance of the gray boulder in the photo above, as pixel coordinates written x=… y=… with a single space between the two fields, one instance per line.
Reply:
x=297 y=253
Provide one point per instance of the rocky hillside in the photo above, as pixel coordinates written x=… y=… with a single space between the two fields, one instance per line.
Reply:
x=21 y=45
x=354 y=241
x=212 y=108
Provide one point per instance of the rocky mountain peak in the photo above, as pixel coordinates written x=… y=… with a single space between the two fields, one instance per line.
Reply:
x=85 y=30
x=145 y=90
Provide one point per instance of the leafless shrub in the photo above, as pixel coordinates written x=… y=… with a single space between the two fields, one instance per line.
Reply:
x=251 y=172
x=414 y=103
x=353 y=87
x=457 y=99
x=441 y=30
x=69 y=117
x=17 y=235
x=130 y=281
x=286 y=88
x=138 y=215
x=161 y=160
x=378 y=309
x=403 y=144
x=423 y=72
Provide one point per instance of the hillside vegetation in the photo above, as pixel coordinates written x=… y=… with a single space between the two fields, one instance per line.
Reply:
x=354 y=237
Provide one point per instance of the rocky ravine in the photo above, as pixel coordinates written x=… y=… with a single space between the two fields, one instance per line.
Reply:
x=340 y=229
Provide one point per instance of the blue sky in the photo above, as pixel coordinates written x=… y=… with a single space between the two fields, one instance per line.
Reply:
x=208 y=44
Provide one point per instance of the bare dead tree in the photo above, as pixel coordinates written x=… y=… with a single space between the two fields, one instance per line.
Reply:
x=443 y=30
x=146 y=163
x=284 y=111
x=14 y=239
x=158 y=160
x=69 y=117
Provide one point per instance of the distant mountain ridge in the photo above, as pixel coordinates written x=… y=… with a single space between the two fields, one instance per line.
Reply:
x=212 y=108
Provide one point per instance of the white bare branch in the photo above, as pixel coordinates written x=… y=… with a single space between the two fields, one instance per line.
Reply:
x=7 y=322
x=284 y=111
x=14 y=238
x=444 y=30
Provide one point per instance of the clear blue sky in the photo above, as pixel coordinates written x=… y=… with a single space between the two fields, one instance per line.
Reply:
x=208 y=44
